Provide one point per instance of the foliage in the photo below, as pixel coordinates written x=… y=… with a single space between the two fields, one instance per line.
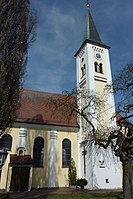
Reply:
x=81 y=183
x=16 y=33
x=72 y=173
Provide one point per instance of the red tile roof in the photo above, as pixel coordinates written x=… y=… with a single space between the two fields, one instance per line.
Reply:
x=118 y=117
x=40 y=108
x=123 y=121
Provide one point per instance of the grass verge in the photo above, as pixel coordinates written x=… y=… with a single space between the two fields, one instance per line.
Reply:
x=88 y=196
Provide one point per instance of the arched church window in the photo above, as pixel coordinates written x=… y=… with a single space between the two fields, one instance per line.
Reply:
x=6 y=142
x=38 y=152
x=66 y=153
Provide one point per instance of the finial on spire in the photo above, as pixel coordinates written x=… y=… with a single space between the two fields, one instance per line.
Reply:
x=87 y=4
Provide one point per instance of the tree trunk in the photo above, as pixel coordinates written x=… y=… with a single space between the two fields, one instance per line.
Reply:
x=128 y=179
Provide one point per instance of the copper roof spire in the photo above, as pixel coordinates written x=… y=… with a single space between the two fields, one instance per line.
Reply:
x=91 y=32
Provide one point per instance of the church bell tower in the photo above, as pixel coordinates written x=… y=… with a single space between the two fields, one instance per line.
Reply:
x=93 y=72
x=92 y=59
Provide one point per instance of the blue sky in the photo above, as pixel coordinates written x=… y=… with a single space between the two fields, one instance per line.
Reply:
x=60 y=25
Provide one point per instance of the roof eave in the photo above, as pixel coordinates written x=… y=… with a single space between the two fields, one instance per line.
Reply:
x=102 y=45
x=47 y=123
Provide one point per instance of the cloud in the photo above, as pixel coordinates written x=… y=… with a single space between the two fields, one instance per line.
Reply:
x=51 y=65
x=49 y=55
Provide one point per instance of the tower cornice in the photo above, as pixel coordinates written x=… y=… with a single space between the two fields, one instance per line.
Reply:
x=93 y=43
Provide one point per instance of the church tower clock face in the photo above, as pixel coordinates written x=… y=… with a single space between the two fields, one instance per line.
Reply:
x=98 y=56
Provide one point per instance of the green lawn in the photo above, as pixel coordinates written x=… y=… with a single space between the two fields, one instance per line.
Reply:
x=77 y=196
x=88 y=196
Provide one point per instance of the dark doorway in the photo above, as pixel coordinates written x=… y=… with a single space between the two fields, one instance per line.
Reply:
x=20 y=179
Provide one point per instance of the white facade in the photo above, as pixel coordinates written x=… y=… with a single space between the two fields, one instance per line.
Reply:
x=100 y=167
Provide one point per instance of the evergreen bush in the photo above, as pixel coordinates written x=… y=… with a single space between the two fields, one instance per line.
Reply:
x=72 y=173
x=81 y=183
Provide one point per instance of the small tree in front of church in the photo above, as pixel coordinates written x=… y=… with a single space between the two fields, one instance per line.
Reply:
x=72 y=173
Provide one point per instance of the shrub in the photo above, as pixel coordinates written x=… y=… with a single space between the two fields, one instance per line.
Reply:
x=72 y=173
x=81 y=183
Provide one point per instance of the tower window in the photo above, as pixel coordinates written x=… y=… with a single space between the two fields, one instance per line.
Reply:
x=82 y=59
x=83 y=70
x=66 y=153
x=98 y=67
x=38 y=152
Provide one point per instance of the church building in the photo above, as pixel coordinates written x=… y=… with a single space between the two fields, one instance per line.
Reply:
x=37 y=151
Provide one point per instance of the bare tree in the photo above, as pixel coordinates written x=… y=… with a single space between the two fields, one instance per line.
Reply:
x=16 y=33
x=123 y=87
x=89 y=105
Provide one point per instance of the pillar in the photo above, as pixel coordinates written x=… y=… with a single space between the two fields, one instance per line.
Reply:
x=52 y=167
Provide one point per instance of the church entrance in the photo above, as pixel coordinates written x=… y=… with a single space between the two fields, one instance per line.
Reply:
x=20 y=179
x=21 y=166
